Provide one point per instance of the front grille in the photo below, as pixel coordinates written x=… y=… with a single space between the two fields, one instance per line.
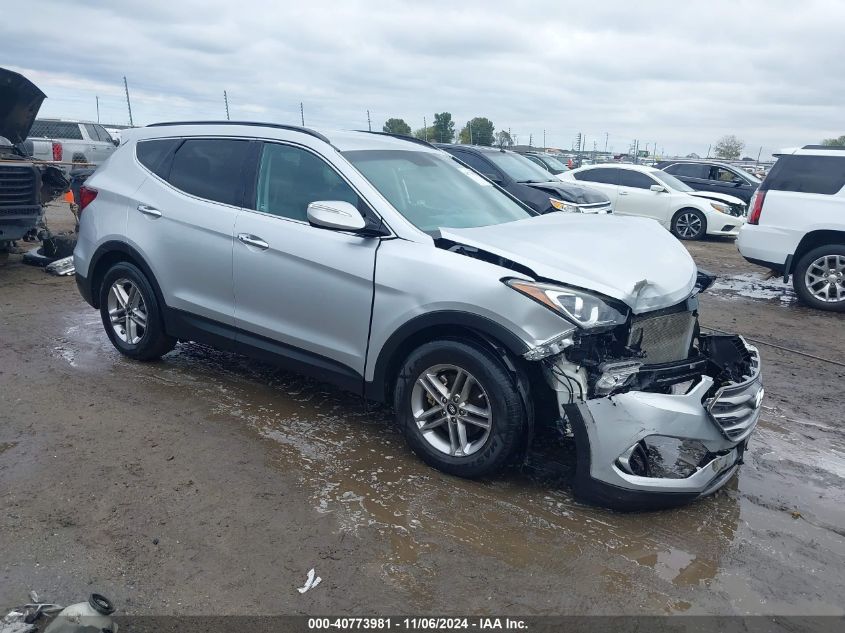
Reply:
x=663 y=338
x=595 y=207
x=736 y=406
x=18 y=186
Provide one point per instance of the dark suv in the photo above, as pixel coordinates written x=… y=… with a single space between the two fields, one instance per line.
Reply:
x=705 y=175
x=528 y=182
x=551 y=164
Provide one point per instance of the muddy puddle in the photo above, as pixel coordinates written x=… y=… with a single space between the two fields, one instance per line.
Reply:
x=765 y=544
x=755 y=286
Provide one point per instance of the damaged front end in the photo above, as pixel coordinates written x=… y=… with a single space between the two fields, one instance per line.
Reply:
x=660 y=413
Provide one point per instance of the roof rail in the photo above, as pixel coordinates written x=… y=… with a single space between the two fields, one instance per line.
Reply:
x=835 y=147
x=279 y=126
x=412 y=139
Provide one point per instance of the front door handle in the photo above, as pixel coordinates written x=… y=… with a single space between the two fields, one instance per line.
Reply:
x=623 y=193
x=252 y=240
x=148 y=210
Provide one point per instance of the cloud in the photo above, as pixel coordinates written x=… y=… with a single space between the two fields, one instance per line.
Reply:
x=676 y=74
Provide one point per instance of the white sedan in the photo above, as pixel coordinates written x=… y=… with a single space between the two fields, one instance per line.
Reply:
x=652 y=193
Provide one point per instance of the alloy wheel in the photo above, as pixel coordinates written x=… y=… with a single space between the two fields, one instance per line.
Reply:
x=451 y=410
x=825 y=278
x=688 y=225
x=127 y=311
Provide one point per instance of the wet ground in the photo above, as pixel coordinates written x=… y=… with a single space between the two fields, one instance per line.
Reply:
x=210 y=484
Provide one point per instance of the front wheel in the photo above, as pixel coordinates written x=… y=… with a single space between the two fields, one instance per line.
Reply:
x=459 y=408
x=819 y=278
x=689 y=224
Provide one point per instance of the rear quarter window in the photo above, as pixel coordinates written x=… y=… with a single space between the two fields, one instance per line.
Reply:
x=153 y=154
x=807 y=174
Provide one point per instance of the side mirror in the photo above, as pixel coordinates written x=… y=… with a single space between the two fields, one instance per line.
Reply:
x=116 y=142
x=658 y=188
x=493 y=178
x=738 y=181
x=335 y=214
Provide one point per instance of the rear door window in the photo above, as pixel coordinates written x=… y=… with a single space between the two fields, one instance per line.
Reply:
x=210 y=169
x=688 y=170
x=606 y=176
x=635 y=179
x=478 y=164
x=807 y=174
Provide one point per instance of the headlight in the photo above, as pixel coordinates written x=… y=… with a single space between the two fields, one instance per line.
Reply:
x=721 y=208
x=568 y=207
x=582 y=308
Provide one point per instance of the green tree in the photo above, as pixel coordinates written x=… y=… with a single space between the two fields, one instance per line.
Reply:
x=728 y=147
x=503 y=139
x=835 y=142
x=444 y=128
x=478 y=131
x=397 y=126
x=426 y=134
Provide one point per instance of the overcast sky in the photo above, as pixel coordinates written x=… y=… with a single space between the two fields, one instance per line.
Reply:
x=678 y=74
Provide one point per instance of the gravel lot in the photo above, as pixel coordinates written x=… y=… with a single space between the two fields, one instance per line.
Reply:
x=210 y=484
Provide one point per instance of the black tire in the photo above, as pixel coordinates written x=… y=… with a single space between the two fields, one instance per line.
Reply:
x=507 y=419
x=154 y=342
x=681 y=223
x=799 y=277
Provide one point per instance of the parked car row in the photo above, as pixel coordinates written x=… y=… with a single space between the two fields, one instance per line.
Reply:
x=389 y=267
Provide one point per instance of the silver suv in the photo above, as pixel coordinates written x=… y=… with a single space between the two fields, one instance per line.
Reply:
x=385 y=266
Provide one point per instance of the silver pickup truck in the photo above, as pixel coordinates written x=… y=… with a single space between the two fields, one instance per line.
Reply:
x=69 y=143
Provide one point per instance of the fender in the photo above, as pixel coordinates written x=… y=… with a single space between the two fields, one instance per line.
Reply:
x=483 y=327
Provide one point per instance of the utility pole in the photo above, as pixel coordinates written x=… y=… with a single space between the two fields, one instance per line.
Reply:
x=530 y=140
x=708 y=151
x=128 y=103
x=606 y=137
x=98 y=108
x=302 y=114
x=226 y=102
x=544 y=140
x=425 y=130
x=369 y=123
x=758 y=155
x=655 y=150
x=469 y=125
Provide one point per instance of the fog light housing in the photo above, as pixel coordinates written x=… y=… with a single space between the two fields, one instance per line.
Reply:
x=664 y=457
x=615 y=375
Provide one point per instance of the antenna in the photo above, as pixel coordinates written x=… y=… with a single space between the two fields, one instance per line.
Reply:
x=226 y=101
x=128 y=103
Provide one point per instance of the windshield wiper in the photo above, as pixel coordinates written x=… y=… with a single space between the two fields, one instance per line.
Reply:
x=528 y=182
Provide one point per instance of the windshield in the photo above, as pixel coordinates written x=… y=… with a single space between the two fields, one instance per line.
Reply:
x=670 y=181
x=518 y=167
x=751 y=178
x=434 y=191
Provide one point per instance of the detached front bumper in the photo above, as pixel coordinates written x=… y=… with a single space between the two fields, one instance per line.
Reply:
x=640 y=450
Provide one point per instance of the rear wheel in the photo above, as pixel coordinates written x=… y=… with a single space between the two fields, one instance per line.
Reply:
x=131 y=314
x=819 y=278
x=689 y=224
x=459 y=408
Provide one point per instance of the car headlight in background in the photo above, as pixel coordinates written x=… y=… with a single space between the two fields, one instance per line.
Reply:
x=582 y=308
x=721 y=208
x=567 y=207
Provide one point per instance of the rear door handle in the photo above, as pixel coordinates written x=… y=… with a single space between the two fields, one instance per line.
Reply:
x=148 y=210
x=623 y=193
x=252 y=240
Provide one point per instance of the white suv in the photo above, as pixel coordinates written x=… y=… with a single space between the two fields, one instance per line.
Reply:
x=796 y=225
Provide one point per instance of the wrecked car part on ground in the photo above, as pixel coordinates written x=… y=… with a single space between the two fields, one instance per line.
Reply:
x=421 y=284
x=26 y=185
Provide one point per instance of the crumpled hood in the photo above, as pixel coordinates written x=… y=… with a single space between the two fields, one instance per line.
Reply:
x=570 y=192
x=20 y=100
x=718 y=197
x=631 y=259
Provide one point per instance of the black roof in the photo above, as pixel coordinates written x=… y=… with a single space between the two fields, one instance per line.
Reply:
x=279 y=126
x=835 y=147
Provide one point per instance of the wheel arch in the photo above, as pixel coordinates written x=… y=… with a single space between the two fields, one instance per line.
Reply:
x=812 y=240
x=434 y=326
x=675 y=215
x=110 y=253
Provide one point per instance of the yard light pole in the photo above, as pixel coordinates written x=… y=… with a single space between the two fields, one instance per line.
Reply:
x=128 y=103
x=226 y=102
